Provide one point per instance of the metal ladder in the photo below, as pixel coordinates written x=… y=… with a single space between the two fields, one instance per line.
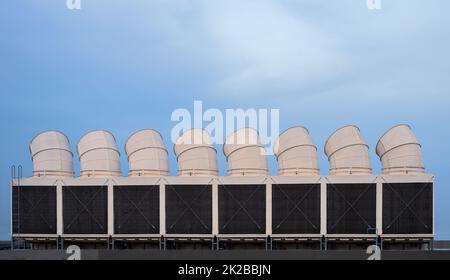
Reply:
x=16 y=179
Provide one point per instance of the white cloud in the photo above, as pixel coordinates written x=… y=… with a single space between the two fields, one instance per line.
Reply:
x=251 y=47
x=280 y=48
x=262 y=47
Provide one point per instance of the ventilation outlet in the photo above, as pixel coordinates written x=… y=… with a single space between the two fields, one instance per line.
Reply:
x=51 y=155
x=296 y=153
x=147 y=154
x=400 y=152
x=196 y=154
x=99 y=155
x=245 y=154
x=347 y=152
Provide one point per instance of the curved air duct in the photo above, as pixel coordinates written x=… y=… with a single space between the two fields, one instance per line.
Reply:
x=347 y=152
x=147 y=154
x=51 y=155
x=245 y=154
x=196 y=154
x=400 y=152
x=99 y=155
x=296 y=153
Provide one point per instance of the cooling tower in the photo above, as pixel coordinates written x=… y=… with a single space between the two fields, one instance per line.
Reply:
x=245 y=154
x=51 y=155
x=147 y=154
x=347 y=152
x=400 y=152
x=196 y=154
x=99 y=155
x=296 y=153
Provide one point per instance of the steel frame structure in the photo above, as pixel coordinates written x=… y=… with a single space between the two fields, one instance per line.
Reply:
x=215 y=237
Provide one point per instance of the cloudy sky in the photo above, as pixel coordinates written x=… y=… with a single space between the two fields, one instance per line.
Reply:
x=124 y=65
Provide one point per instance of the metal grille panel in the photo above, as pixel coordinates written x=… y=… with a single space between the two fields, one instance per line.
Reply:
x=34 y=209
x=242 y=209
x=189 y=209
x=351 y=208
x=85 y=210
x=136 y=209
x=296 y=209
x=408 y=208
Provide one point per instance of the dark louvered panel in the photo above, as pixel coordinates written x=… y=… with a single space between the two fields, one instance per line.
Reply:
x=296 y=209
x=242 y=209
x=85 y=209
x=34 y=209
x=136 y=209
x=188 y=209
x=408 y=208
x=351 y=208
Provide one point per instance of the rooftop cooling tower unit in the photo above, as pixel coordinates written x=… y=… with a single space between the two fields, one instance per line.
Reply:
x=99 y=155
x=400 y=152
x=147 y=154
x=196 y=154
x=347 y=152
x=245 y=154
x=296 y=153
x=51 y=155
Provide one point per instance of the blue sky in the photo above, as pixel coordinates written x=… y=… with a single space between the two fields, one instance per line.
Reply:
x=126 y=65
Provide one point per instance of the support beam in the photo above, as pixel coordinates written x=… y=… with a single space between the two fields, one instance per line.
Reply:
x=59 y=208
x=110 y=208
x=215 y=208
x=379 y=206
x=268 y=208
x=323 y=208
x=162 y=208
